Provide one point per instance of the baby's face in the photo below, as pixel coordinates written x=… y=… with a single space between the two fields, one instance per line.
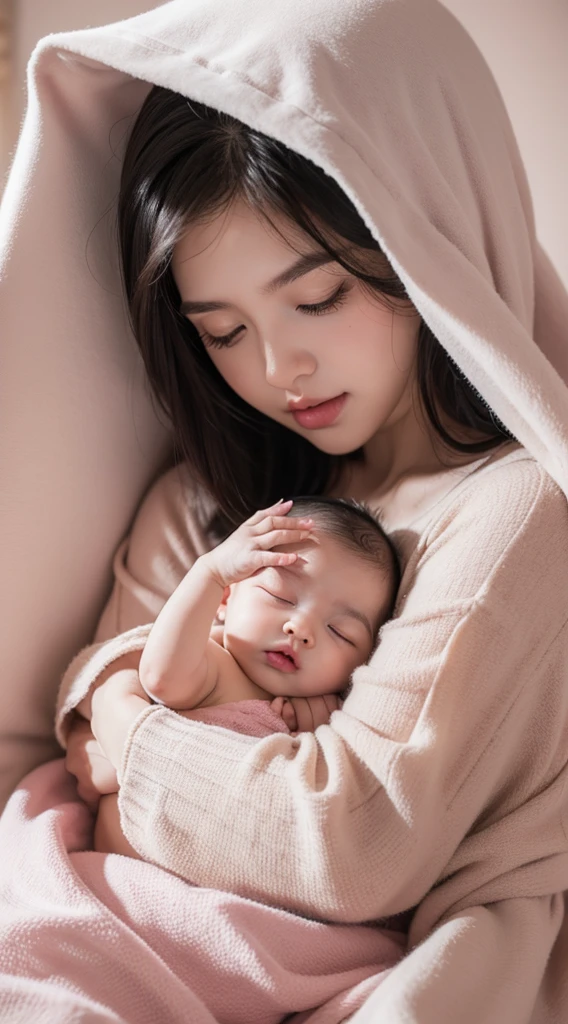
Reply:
x=301 y=630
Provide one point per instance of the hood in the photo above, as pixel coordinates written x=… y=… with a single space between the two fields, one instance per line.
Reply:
x=390 y=97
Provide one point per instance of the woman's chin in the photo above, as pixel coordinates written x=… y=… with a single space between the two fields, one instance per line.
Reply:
x=335 y=445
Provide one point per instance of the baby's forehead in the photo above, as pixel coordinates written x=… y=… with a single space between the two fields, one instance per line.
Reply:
x=327 y=549
x=332 y=565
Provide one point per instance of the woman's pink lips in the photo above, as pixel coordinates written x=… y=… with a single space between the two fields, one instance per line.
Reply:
x=322 y=415
x=281 y=661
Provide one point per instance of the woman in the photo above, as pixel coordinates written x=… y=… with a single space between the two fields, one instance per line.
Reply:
x=437 y=792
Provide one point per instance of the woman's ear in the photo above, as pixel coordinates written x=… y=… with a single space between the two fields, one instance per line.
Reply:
x=220 y=617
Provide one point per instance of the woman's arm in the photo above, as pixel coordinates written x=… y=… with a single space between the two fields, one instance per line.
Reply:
x=482 y=965
x=168 y=535
x=438 y=740
x=432 y=749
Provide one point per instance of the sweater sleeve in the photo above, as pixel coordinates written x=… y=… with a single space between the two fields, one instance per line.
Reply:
x=482 y=966
x=167 y=536
x=443 y=732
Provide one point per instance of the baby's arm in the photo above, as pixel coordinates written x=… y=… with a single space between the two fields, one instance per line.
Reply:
x=176 y=667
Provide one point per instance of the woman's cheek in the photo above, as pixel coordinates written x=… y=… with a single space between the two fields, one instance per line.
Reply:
x=241 y=374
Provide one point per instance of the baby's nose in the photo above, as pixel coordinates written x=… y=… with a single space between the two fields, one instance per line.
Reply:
x=300 y=631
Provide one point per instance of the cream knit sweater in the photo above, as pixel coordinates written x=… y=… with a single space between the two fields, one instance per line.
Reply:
x=440 y=786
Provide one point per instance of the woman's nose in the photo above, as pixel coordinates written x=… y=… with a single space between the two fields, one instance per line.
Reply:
x=285 y=363
x=300 y=630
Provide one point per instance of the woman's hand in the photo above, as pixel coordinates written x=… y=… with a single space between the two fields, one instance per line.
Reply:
x=305 y=714
x=86 y=760
x=249 y=547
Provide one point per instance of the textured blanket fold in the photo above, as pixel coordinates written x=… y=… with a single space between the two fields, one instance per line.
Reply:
x=149 y=948
x=249 y=717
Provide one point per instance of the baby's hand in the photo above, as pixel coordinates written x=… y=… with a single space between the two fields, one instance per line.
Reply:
x=86 y=760
x=249 y=548
x=283 y=707
x=305 y=714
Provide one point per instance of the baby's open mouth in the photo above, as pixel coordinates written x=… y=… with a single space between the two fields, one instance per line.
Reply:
x=282 y=660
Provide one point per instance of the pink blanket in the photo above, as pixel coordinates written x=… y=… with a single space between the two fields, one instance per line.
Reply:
x=251 y=717
x=95 y=937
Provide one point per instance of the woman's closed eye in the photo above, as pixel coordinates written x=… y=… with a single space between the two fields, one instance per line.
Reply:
x=314 y=309
x=328 y=305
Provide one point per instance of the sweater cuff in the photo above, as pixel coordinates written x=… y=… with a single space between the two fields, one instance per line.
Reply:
x=152 y=709
x=83 y=672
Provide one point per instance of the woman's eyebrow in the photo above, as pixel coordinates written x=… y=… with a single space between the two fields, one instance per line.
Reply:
x=307 y=262
x=304 y=264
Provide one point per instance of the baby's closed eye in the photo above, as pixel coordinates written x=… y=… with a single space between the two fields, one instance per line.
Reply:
x=276 y=597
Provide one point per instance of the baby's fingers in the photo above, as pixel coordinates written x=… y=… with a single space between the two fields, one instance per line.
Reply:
x=266 y=558
x=270 y=523
x=289 y=715
x=275 y=537
x=280 y=508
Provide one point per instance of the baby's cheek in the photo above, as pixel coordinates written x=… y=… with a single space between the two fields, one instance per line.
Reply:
x=351 y=659
x=246 y=622
x=332 y=669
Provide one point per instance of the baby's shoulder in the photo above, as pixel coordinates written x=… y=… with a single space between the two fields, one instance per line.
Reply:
x=232 y=683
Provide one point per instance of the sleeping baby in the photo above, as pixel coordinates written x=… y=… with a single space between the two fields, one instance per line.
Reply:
x=287 y=606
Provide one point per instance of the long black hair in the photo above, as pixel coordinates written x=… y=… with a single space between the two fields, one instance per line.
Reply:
x=186 y=162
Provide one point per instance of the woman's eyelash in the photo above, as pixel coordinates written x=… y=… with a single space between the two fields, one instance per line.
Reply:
x=328 y=305
x=316 y=309
x=225 y=341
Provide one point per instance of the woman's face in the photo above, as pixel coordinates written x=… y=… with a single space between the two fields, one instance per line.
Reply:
x=278 y=351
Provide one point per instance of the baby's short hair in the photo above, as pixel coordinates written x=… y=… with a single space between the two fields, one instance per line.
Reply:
x=359 y=530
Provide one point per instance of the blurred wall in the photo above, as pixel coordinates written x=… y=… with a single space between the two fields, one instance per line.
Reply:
x=525 y=42
x=33 y=19
x=6 y=80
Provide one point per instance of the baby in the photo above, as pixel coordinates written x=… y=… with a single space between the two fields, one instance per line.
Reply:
x=287 y=606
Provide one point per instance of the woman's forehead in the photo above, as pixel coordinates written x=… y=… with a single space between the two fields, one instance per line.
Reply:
x=206 y=238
